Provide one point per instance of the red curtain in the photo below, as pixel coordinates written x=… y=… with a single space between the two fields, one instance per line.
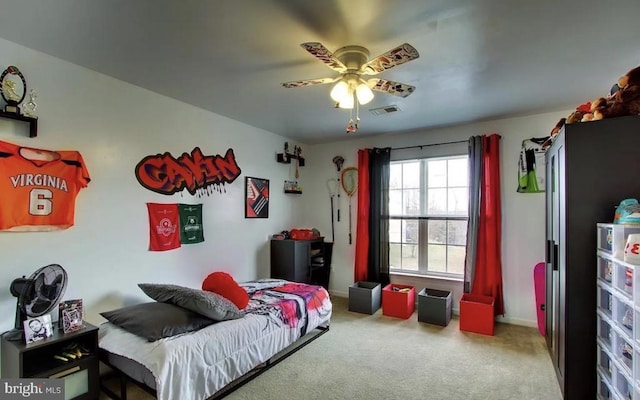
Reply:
x=360 y=270
x=488 y=273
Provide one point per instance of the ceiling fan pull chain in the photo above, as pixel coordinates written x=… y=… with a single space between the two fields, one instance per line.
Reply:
x=350 y=126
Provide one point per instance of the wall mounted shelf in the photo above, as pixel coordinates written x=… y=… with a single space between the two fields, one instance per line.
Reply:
x=33 y=122
x=285 y=158
x=292 y=187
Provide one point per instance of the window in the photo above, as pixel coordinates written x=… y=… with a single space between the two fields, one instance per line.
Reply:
x=428 y=207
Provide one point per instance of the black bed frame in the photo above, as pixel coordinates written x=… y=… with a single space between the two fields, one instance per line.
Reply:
x=230 y=388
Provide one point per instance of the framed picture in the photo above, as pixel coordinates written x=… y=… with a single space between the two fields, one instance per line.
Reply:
x=71 y=315
x=256 y=198
x=37 y=328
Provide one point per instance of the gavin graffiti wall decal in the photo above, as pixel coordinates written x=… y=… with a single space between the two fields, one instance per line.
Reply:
x=199 y=174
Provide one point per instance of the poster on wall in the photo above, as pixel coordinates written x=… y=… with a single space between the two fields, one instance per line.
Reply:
x=256 y=198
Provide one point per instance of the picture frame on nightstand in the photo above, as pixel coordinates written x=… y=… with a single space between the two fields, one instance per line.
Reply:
x=37 y=328
x=70 y=315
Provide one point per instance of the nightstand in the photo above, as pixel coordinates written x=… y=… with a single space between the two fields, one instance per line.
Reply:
x=303 y=261
x=36 y=360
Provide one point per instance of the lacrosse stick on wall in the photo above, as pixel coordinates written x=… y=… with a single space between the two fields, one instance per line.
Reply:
x=338 y=161
x=334 y=189
x=350 y=185
x=297 y=151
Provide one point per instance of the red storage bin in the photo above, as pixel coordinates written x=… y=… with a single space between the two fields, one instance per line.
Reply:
x=476 y=314
x=302 y=234
x=398 y=304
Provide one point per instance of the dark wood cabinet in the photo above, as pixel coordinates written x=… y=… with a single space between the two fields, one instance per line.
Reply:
x=36 y=360
x=305 y=261
x=590 y=167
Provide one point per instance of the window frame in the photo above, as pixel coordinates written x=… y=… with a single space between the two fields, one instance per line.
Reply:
x=424 y=218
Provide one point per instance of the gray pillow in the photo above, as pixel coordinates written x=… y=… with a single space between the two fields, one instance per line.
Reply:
x=154 y=321
x=205 y=303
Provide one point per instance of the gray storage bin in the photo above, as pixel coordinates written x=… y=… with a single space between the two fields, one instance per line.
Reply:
x=364 y=297
x=434 y=306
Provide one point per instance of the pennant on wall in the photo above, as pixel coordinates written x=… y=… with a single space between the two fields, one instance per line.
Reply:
x=191 y=223
x=164 y=221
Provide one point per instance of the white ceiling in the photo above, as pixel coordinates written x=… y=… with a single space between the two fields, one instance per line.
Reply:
x=479 y=59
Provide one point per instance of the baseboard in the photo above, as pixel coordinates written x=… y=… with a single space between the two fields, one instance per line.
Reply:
x=517 y=321
x=456 y=312
x=339 y=294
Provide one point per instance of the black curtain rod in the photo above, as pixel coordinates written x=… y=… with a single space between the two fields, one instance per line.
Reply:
x=428 y=145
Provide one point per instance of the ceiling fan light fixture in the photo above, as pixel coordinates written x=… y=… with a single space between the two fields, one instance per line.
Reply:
x=347 y=101
x=364 y=93
x=350 y=90
x=340 y=91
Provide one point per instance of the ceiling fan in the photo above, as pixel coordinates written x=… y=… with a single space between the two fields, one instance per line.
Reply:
x=352 y=62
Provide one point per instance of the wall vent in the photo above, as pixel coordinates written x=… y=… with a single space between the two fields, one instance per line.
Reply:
x=384 y=110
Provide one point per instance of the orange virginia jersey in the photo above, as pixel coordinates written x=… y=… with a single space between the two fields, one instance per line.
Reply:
x=38 y=188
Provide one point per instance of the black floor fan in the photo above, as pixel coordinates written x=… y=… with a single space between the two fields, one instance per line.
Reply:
x=36 y=296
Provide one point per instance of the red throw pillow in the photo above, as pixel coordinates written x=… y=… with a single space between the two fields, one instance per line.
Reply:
x=224 y=285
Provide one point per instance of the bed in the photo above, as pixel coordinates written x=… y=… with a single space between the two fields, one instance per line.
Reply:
x=212 y=361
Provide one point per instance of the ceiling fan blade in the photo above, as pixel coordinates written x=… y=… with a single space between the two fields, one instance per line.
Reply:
x=391 y=87
x=308 y=82
x=323 y=54
x=400 y=55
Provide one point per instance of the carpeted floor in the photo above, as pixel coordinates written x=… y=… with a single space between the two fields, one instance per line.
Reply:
x=366 y=357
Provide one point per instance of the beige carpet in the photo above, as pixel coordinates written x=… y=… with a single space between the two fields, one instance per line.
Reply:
x=366 y=357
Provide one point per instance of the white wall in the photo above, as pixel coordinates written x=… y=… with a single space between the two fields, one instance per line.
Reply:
x=114 y=125
x=522 y=214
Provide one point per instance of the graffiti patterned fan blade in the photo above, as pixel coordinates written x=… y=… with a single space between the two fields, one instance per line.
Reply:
x=400 y=55
x=308 y=82
x=323 y=54
x=391 y=87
